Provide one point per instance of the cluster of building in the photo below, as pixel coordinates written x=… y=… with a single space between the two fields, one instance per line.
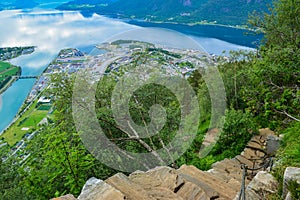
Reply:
x=68 y=61
x=115 y=55
x=40 y=85
x=177 y=61
x=7 y=53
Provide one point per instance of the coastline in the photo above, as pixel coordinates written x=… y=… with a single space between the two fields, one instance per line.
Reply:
x=242 y=27
x=14 y=52
x=127 y=19
x=229 y=34
x=214 y=30
x=22 y=109
x=211 y=25
x=8 y=84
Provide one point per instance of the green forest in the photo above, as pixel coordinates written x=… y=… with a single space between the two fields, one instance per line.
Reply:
x=262 y=89
x=224 y=12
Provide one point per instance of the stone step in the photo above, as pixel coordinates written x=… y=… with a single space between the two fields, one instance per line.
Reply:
x=255 y=145
x=242 y=160
x=224 y=175
x=134 y=190
x=95 y=189
x=226 y=164
x=158 y=177
x=191 y=191
x=231 y=168
x=233 y=180
x=260 y=154
x=265 y=132
x=259 y=139
x=221 y=174
x=249 y=153
x=213 y=186
x=166 y=177
x=227 y=170
x=127 y=187
x=250 y=173
x=163 y=194
x=210 y=192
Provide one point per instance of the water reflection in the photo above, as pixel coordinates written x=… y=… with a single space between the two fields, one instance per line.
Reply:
x=50 y=31
x=53 y=30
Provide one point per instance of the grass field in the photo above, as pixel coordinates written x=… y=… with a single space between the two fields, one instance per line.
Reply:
x=44 y=107
x=29 y=121
x=7 y=70
x=4 y=66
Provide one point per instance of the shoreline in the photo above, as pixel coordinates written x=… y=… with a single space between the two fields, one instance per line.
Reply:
x=191 y=24
x=15 y=53
x=8 y=84
x=125 y=22
x=240 y=27
x=22 y=109
x=209 y=29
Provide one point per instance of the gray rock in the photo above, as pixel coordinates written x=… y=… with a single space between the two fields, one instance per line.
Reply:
x=289 y=196
x=290 y=174
x=96 y=189
x=273 y=144
x=262 y=185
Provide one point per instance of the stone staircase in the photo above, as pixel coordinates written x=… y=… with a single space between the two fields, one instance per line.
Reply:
x=223 y=181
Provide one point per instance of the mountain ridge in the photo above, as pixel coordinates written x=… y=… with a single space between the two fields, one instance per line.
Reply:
x=177 y=11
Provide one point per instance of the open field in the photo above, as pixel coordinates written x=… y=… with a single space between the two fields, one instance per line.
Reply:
x=6 y=72
x=26 y=123
x=4 y=66
x=10 y=72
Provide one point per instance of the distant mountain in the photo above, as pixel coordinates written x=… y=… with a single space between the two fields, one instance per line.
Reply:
x=180 y=11
x=17 y=4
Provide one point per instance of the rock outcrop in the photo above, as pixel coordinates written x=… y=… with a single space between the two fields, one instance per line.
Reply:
x=98 y=189
x=290 y=174
x=262 y=185
x=223 y=181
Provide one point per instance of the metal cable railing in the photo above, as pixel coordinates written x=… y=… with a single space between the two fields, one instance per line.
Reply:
x=242 y=194
x=245 y=168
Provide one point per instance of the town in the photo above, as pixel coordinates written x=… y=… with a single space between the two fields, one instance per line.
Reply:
x=37 y=110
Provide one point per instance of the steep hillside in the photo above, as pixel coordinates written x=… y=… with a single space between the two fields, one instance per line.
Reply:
x=222 y=182
x=180 y=11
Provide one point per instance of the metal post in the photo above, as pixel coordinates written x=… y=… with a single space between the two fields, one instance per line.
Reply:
x=271 y=163
x=253 y=166
x=242 y=194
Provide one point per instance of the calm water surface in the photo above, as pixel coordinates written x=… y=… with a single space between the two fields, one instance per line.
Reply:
x=52 y=30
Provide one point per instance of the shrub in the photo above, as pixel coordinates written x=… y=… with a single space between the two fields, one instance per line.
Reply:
x=237 y=131
x=294 y=188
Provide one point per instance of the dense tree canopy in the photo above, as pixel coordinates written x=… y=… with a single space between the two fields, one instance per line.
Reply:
x=262 y=91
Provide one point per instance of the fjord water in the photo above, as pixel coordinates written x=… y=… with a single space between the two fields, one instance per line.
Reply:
x=52 y=30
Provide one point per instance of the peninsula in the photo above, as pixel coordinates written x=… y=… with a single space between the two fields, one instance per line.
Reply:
x=8 y=72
